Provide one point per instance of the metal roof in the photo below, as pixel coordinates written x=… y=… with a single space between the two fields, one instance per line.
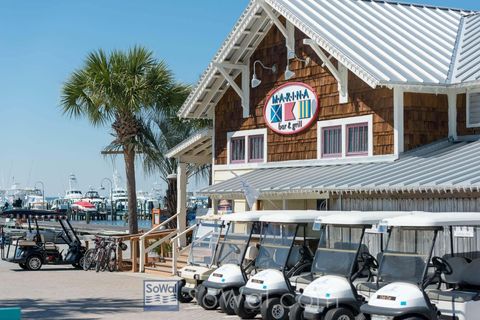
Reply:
x=196 y=149
x=440 y=166
x=382 y=42
x=467 y=64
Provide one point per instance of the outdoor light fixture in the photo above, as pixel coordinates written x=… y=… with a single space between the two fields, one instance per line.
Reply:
x=255 y=81
x=291 y=55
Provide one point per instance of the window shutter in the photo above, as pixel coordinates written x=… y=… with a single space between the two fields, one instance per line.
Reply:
x=474 y=109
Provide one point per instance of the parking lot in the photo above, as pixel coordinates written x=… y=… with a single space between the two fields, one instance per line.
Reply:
x=65 y=293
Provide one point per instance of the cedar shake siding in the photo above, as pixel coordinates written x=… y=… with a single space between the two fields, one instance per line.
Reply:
x=425 y=119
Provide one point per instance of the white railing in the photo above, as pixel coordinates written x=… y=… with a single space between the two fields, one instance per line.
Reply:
x=157 y=243
x=176 y=251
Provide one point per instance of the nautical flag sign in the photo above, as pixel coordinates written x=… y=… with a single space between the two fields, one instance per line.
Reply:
x=291 y=108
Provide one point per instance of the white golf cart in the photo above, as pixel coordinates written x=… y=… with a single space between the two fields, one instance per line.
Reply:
x=342 y=259
x=285 y=251
x=409 y=270
x=235 y=256
x=201 y=259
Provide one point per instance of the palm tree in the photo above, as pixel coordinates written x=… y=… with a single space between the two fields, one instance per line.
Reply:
x=122 y=89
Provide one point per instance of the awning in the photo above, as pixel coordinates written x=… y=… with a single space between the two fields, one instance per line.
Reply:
x=195 y=149
x=439 y=167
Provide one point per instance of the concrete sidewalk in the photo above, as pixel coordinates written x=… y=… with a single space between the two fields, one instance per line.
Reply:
x=66 y=293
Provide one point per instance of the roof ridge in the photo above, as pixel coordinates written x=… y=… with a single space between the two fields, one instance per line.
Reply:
x=430 y=6
x=456 y=49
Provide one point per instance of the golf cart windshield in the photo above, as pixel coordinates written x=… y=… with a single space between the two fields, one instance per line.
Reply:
x=232 y=247
x=204 y=243
x=277 y=240
x=406 y=255
x=337 y=250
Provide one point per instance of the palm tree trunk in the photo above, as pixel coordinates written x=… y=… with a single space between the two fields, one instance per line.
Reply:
x=129 y=155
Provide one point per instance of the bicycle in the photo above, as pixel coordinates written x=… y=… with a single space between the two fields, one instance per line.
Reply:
x=90 y=255
x=112 y=254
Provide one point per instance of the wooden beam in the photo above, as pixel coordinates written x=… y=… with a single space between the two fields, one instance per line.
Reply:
x=274 y=18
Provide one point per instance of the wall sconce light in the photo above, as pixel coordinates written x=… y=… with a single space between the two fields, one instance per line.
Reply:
x=291 y=55
x=255 y=80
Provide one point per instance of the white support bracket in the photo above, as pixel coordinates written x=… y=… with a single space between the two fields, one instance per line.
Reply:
x=340 y=74
x=244 y=91
x=288 y=30
x=398 y=121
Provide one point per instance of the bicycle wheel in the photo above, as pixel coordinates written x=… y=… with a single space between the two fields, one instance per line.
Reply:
x=112 y=260
x=89 y=260
x=100 y=260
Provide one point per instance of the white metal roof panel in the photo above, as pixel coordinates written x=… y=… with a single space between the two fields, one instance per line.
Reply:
x=437 y=219
x=382 y=42
x=467 y=65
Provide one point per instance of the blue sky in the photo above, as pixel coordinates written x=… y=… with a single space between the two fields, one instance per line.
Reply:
x=42 y=42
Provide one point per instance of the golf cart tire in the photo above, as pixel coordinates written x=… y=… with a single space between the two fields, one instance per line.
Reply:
x=337 y=313
x=272 y=309
x=243 y=312
x=183 y=297
x=23 y=266
x=226 y=302
x=296 y=312
x=34 y=263
x=414 y=318
x=203 y=301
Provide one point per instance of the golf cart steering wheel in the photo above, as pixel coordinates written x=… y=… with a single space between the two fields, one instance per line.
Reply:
x=369 y=260
x=442 y=266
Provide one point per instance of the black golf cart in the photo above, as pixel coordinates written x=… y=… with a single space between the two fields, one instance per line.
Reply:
x=30 y=250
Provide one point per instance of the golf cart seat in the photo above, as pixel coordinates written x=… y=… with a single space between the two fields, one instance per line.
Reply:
x=468 y=279
x=458 y=265
x=50 y=246
x=251 y=253
x=26 y=243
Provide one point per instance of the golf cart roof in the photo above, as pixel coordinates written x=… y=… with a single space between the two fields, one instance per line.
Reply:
x=209 y=217
x=23 y=213
x=293 y=216
x=434 y=219
x=247 y=216
x=359 y=217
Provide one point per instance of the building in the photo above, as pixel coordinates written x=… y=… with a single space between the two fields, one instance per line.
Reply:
x=344 y=104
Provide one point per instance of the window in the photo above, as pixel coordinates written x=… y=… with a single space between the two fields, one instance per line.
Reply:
x=357 y=139
x=237 y=147
x=473 y=109
x=247 y=146
x=332 y=141
x=346 y=137
x=255 y=148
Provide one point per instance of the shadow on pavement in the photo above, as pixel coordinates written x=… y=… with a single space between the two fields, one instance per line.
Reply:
x=72 y=308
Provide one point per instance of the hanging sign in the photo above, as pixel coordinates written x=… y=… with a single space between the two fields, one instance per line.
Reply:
x=291 y=108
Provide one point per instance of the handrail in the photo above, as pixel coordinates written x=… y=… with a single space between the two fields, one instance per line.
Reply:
x=183 y=232
x=160 y=225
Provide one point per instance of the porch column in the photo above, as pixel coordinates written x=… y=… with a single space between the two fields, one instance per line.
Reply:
x=452 y=115
x=181 y=200
x=398 y=123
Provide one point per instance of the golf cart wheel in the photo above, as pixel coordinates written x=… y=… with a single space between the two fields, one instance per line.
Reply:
x=23 y=266
x=80 y=263
x=182 y=296
x=227 y=302
x=207 y=302
x=339 y=314
x=273 y=309
x=241 y=311
x=34 y=263
x=296 y=312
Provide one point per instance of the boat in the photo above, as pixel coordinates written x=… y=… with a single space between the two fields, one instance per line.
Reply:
x=92 y=196
x=119 y=194
x=73 y=193
x=34 y=199
x=83 y=206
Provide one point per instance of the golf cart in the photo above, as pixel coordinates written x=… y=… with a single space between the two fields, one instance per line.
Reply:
x=285 y=251
x=415 y=284
x=342 y=259
x=201 y=259
x=235 y=256
x=31 y=251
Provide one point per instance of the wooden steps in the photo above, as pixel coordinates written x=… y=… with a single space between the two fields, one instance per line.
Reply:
x=164 y=267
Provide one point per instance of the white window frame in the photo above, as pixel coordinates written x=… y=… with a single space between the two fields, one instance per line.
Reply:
x=343 y=123
x=246 y=134
x=471 y=125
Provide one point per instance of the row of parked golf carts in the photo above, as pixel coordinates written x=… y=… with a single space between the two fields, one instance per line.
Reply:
x=336 y=265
